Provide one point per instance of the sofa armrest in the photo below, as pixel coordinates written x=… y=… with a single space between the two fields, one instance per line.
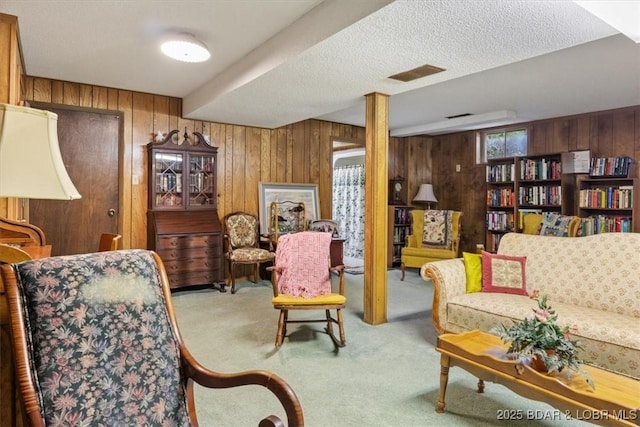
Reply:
x=449 y=280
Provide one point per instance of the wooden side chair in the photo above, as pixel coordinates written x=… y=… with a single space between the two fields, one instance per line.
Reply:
x=302 y=280
x=96 y=343
x=109 y=242
x=242 y=241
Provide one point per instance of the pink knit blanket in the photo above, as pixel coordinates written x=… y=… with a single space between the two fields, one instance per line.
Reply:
x=303 y=263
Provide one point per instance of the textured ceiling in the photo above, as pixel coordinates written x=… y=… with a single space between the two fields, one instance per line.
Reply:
x=276 y=62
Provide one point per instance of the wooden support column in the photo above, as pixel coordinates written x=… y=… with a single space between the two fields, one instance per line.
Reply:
x=375 y=225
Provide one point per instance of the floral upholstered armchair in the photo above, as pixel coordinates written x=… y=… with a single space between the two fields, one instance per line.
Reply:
x=242 y=244
x=435 y=235
x=96 y=343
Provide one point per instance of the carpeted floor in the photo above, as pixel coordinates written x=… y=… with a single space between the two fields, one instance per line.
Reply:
x=387 y=375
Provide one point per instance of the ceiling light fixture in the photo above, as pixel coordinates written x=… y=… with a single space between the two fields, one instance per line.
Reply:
x=185 y=47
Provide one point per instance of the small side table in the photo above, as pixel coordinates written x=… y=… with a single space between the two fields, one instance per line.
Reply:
x=337 y=252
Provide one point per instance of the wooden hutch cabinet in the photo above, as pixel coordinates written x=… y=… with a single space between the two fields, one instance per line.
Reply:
x=182 y=220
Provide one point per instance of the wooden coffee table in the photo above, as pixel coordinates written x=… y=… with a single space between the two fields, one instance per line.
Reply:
x=615 y=400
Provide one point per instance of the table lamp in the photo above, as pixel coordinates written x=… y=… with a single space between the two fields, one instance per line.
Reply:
x=425 y=195
x=30 y=161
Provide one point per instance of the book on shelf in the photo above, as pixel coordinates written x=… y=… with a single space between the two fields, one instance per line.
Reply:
x=500 y=221
x=540 y=169
x=504 y=197
x=540 y=195
x=597 y=224
x=610 y=166
x=613 y=197
x=501 y=173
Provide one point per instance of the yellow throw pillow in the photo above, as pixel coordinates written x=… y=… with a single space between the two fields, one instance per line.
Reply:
x=473 y=271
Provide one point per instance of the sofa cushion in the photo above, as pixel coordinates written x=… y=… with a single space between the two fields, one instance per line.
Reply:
x=598 y=271
x=503 y=273
x=473 y=271
x=611 y=341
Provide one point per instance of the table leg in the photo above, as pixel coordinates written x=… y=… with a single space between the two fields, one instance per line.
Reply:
x=445 y=362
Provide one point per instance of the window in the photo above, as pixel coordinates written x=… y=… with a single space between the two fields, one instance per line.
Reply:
x=504 y=143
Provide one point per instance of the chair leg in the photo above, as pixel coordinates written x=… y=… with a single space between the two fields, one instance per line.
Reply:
x=256 y=272
x=327 y=313
x=233 y=279
x=343 y=340
x=281 y=328
x=402 y=269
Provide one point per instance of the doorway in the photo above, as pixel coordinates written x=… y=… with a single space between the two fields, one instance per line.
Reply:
x=349 y=199
x=89 y=144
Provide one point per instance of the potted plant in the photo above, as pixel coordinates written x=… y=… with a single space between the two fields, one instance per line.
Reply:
x=540 y=340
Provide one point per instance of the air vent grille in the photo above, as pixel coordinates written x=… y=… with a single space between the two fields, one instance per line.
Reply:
x=417 y=73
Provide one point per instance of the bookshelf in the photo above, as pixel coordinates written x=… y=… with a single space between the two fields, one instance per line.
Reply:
x=606 y=199
x=399 y=218
x=521 y=185
x=501 y=200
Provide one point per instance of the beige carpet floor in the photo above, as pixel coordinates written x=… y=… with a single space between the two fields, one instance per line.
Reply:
x=387 y=375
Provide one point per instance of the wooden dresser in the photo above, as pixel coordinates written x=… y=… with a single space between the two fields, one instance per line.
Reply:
x=182 y=220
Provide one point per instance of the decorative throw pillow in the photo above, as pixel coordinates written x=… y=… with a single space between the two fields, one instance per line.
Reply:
x=554 y=224
x=437 y=228
x=503 y=273
x=473 y=271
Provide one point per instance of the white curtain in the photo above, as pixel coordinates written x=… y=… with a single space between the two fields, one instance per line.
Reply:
x=348 y=207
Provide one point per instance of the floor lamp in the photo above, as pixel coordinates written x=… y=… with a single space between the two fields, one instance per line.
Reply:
x=31 y=165
x=425 y=195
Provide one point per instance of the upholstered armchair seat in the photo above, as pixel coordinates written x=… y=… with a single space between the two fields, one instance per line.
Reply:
x=420 y=254
x=415 y=254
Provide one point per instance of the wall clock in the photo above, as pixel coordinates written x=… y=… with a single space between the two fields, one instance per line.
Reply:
x=396 y=189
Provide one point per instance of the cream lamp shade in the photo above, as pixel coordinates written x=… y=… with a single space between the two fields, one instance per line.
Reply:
x=425 y=194
x=30 y=161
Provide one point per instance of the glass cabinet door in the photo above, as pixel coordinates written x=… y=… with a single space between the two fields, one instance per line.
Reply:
x=201 y=180
x=168 y=170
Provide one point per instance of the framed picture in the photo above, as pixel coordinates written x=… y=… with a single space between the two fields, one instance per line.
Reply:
x=325 y=225
x=288 y=197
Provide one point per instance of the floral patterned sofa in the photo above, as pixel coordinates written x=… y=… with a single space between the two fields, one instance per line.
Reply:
x=592 y=282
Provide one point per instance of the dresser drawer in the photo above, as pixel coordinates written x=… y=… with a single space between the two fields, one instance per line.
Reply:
x=191 y=265
x=189 y=254
x=188 y=242
x=178 y=280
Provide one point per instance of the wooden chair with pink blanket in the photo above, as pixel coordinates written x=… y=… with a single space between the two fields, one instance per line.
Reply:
x=302 y=280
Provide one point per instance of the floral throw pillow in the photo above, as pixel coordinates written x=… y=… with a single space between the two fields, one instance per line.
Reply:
x=436 y=231
x=554 y=224
x=503 y=273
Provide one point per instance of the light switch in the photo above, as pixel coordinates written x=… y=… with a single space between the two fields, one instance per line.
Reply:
x=457 y=168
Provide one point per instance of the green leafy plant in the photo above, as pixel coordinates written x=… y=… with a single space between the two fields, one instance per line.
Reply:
x=541 y=337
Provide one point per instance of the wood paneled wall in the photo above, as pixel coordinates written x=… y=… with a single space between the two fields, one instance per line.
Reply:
x=606 y=133
x=300 y=152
